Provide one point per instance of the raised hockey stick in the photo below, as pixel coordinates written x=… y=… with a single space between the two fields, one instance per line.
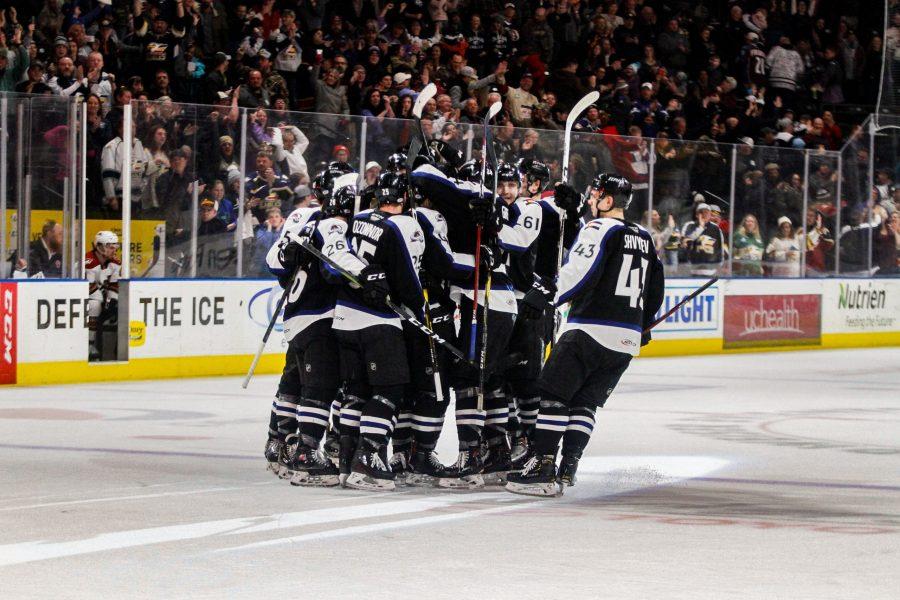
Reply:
x=580 y=106
x=684 y=301
x=415 y=145
x=401 y=311
x=473 y=326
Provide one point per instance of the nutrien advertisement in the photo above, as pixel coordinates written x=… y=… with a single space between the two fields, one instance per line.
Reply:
x=772 y=320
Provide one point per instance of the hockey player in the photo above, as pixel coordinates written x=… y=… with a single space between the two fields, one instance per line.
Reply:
x=102 y=270
x=464 y=203
x=307 y=322
x=390 y=245
x=614 y=282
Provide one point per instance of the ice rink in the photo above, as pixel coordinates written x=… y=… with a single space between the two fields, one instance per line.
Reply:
x=741 y=476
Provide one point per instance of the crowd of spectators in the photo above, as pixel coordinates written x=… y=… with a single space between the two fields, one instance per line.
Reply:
x=765 y=75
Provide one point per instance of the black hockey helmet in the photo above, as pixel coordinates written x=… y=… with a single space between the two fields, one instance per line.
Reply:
x=391 y=188
x=396 y=162
x=339 y=167
x=613 y=185
x=534 y=171
x=508 y=172
x=471 y=171
x=341 y=203
x=322 y=185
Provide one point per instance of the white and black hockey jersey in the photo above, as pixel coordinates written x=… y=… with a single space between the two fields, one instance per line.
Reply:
x=397 y=244
x=515 y=235
x=614 y=283
x=439 y=260
x=313 y=296
x=706 y=250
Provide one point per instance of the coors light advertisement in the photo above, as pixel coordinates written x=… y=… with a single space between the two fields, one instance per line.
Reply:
x=773 y=320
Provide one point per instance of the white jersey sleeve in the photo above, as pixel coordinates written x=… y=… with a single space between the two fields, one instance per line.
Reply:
x=521 y=225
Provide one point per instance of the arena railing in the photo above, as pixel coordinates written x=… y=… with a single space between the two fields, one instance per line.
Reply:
x=55 y=172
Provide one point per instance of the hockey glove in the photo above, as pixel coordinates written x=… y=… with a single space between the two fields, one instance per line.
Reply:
x=483 y=210
x=567 y=198
x=293 y=255
x=489 y=258
x=375 y=288
x=538 y=299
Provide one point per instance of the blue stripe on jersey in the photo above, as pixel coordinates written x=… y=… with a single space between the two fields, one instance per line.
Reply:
x=568 y=295
x=583 y=321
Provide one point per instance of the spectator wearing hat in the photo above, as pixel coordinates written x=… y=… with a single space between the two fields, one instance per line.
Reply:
x=173 y=190
x=273 y=81
x=34 y=82
x=304 y=196
x=371 y=173
x=783 y=251
x=785 y=68
x=159 y=39
x=216 y=80
x=703 y=242
x=210 y=223
x=566 y=83
x=265 y=188
x=520 y=100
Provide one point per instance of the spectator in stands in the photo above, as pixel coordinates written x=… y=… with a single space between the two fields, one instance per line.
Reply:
x=748 y=248
x=783 y=251
x=290 y=143
x=173 y=191
x=266 y=235
x=819 y=244
x=210 y=223
x=112 y=162
x=785 y=68
x=45 y=253
x=14 y=63
x=157 y=164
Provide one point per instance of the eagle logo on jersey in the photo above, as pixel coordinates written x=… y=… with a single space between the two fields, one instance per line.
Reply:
x=706 y=244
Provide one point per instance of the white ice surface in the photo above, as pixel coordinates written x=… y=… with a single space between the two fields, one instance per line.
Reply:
x=746 y=476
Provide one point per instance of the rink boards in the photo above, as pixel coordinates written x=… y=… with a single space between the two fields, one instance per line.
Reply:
x=194 y=328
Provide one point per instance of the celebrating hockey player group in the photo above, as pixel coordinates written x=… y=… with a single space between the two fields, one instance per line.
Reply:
x=453 y=277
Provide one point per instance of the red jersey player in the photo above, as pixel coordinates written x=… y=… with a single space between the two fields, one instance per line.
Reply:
x=102 y=270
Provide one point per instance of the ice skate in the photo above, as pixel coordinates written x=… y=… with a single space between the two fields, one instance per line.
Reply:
x=425 y=469
x=496 y=461
x=399 y=466
x=369 y=472
x=332 y=447
x=272 y=452
x=538 y=477
x=347 y=447
x=567 y=467
x=285 y=460
x=466 y=473
x=311 y=468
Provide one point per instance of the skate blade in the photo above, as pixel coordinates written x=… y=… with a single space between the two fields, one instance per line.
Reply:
x=498 y=478
x=361 y=481
x=285 y=473
x=543 y=490
x=306 y=480
x=421 y=481
x=273 y=467
x=469 y=482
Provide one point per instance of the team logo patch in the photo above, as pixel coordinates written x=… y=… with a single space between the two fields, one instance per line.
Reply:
x=373 y=367
x=308 y=368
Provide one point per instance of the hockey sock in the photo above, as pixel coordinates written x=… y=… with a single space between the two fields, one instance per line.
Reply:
x=578 y=431
x=273 y=422
x=351 y=411
x=336 y=413
x=286 y=416
x=513 y=425
x=469 y=420
x=377 y=422
x=312 y=417
x=402 y=439
x=427 y=420
x=496 y=414
x=528 y=412
x=551 y=424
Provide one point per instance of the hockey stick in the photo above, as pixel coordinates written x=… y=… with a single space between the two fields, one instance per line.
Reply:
x=401 y=311
x=580 y=106
x=277 y=311
x=415 y=145
x=684 y=301
x=473 y=327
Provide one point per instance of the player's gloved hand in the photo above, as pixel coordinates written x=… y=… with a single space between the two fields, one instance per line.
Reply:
x=566 y=197
x=645 y=338
x=428 y=281
x=293 y=255
x=538 y=299
x=483 y=209
x=375 y=289
x=489 y=258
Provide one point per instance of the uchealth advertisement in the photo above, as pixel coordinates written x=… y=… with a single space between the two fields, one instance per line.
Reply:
x=8 y=332
x=696 y=315
x=862 y=305
x=772 y=320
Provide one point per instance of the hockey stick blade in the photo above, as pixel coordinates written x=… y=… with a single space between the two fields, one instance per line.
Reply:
x=425 y=95
x=401 y=311
x=580 y=106
x=684 y=301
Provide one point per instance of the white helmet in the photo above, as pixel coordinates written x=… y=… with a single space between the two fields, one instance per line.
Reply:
x=105 y=237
